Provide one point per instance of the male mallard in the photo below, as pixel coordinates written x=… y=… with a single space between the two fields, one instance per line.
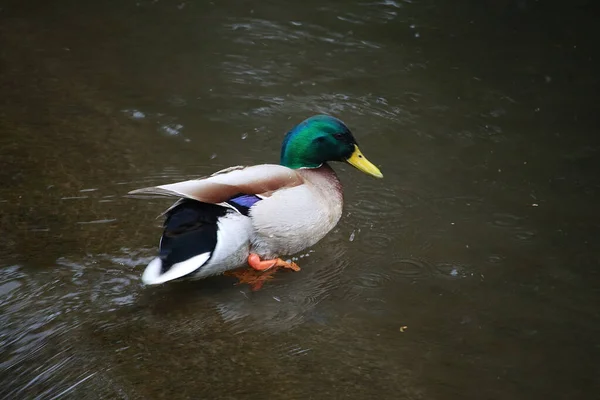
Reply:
x=255 y=214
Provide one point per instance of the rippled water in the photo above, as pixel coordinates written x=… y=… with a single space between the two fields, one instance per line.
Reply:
x=470 y=271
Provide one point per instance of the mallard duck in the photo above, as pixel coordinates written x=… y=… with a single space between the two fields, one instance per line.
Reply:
x=258 y=213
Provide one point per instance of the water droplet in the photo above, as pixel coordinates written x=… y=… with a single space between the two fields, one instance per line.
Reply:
x=352 y=236
x=135 y=114
x=244 y=136
x=172 y=129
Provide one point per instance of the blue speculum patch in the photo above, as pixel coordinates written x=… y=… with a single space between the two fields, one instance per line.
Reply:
x=243 y=202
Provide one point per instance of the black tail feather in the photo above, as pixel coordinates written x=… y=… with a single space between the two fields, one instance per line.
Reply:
x=190 y=229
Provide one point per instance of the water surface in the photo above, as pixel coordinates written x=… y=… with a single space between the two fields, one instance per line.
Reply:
x=469 y=272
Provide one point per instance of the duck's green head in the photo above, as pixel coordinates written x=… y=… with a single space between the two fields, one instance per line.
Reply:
x=320 y=139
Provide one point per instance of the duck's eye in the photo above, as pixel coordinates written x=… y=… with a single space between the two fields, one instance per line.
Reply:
x=338 y=135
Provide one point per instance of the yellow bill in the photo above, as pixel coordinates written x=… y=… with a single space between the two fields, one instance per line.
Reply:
x=361 y=163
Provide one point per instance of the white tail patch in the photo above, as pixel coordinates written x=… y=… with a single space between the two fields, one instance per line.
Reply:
x=152 y=275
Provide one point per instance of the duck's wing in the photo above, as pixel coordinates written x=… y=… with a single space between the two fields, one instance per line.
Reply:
x=225 y=184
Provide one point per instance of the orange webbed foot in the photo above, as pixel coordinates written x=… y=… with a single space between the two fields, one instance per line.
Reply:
x=260 y=271
x=255 y=262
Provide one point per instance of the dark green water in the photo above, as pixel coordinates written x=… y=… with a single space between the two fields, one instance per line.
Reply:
x=482 y=239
